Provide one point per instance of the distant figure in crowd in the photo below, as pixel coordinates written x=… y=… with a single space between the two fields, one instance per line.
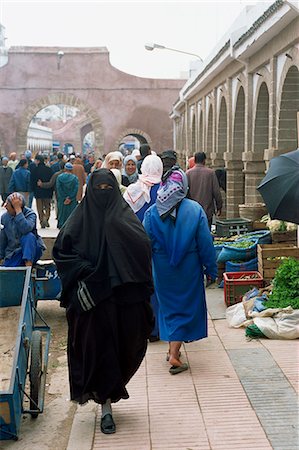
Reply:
x=13 y=161
x=140 y=196
x=136 y=154
x=191 y=162
x=20 y=244
x=114 y=160
x=221 y=177
x=88 y=165
x=169 y=159
x=20 y=180
x=31 y=166
x=204 y=187
x=183 y=252
x=97 y=165
x=43 y=196
x=66 y=187
x=103 y=258
x=5 y=176
x=144 y=150
x=130 y=169
x=117 y=175
x=80 y=173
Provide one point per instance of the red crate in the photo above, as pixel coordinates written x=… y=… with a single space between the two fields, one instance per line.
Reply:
x=235 y=286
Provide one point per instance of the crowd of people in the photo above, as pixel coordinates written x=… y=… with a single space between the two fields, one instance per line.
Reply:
x=132 y=253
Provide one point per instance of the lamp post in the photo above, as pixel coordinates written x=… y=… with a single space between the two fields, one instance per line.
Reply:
x=152 y=46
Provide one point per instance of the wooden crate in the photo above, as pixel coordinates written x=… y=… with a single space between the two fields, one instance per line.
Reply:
x=267 y=267
x=284 y=236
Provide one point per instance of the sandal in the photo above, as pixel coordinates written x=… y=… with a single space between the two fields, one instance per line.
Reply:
x=107 y=424
x=178 y=369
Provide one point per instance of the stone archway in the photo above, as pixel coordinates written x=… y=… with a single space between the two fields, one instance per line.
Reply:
x=142 y=137
x=289 y=108
x=55 y=99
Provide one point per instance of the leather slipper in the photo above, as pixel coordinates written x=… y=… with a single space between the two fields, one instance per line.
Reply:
x=107 y=424
x=178 y=369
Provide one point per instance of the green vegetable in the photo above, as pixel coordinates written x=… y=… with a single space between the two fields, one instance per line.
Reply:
x=242 y=244
x=285 y=285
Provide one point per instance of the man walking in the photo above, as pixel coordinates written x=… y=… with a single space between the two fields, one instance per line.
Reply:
x=43 y=196
x=5 y=176
x=66 y=187
x=20 y=180
x=204 y=187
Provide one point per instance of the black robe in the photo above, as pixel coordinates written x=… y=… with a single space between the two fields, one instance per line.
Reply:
x=103 y=258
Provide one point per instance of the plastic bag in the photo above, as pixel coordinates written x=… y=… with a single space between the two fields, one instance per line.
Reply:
x=235 y=315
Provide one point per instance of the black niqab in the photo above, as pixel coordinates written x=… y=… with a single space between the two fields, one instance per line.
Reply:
x=102 y=243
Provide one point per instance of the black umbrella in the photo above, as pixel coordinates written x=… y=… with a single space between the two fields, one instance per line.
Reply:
x=280 y=187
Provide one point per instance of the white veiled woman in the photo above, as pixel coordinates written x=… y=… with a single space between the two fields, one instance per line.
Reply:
x=142 y=194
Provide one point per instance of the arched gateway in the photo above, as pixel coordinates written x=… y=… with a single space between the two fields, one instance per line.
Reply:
x=93 y=120
x=113 y=103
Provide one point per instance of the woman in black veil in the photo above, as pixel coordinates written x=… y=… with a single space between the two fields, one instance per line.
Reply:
x=103 y=258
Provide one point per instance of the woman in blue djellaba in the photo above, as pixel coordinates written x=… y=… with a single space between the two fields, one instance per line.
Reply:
x=182 y=252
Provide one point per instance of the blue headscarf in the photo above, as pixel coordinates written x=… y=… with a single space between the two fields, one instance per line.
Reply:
x=172 y=191
x=134 y=177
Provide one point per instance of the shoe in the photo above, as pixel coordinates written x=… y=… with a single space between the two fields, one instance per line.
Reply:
x=107 y=424
x=168 y=355
x=47 y=224
x=178 y=369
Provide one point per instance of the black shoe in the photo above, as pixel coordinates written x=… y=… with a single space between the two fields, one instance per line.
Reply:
x=47 y=224
x=107 y=424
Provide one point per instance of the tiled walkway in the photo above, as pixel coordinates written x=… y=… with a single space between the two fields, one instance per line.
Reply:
x=207 y=407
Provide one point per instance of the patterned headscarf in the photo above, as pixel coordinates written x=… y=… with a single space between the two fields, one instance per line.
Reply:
x=172 y=191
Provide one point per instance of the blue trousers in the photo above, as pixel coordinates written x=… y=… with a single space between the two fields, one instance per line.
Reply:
x=29 y=251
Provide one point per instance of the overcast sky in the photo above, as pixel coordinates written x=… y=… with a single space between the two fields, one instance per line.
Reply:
x=124 y=27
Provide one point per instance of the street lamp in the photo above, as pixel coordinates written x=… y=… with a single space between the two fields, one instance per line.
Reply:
x=152 y=46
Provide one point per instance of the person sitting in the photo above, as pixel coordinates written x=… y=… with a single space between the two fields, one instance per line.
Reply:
x=20 y=245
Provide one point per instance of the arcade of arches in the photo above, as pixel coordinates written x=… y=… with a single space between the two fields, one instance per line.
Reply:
x=242 y=109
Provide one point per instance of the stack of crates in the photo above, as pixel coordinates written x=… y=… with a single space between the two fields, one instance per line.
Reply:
x=236 y=284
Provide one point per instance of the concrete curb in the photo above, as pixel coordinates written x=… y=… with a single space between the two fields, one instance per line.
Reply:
x=83 y=428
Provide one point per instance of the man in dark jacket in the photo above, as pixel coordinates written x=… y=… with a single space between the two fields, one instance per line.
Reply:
x=145 y=150
x=20 y=180
x=204 y=187
x=5 y=176
x=43 y=196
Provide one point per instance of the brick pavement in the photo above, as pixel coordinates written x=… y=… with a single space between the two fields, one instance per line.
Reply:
x=209 y=407
x=213 y=406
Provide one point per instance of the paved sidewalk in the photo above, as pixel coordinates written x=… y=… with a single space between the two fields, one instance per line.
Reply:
x=237 y=395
